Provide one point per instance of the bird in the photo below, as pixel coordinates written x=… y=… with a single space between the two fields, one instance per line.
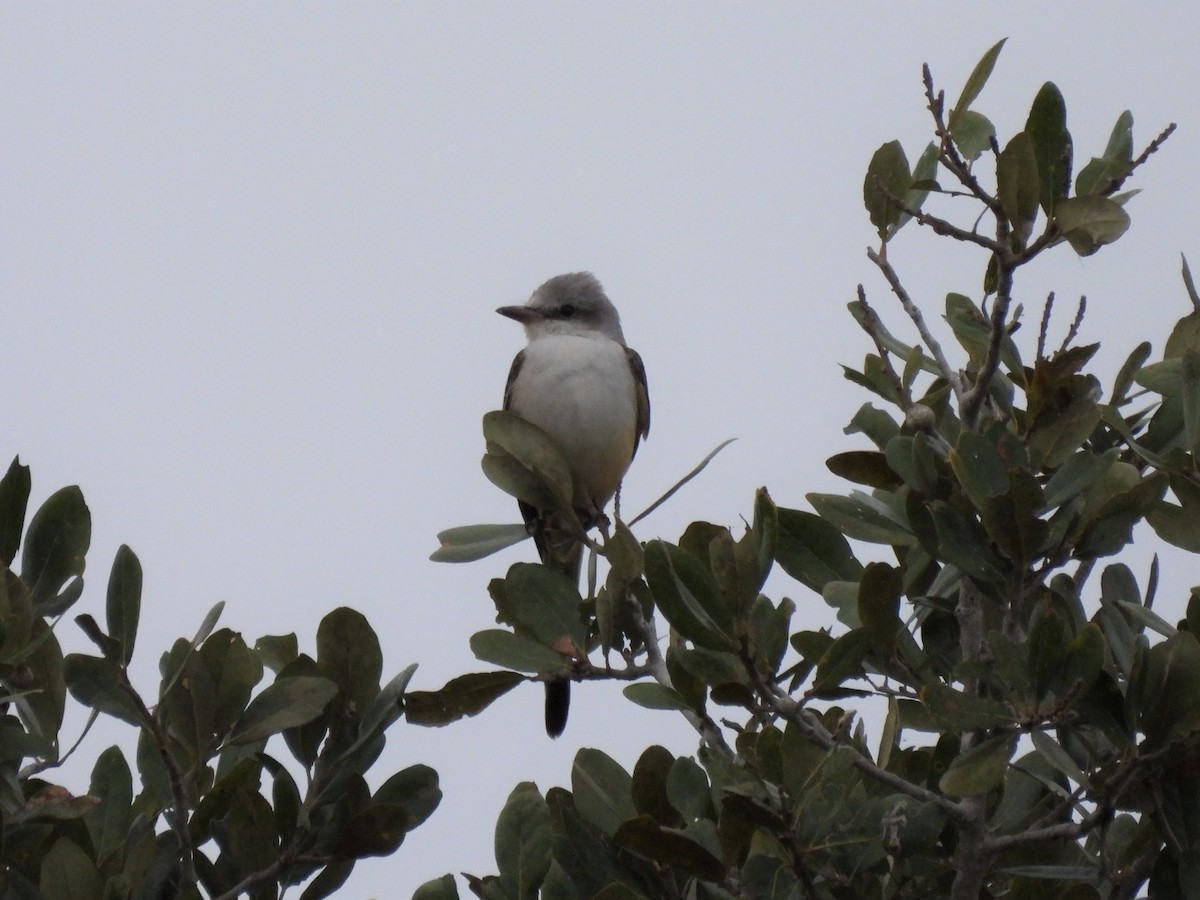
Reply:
x=578 y=381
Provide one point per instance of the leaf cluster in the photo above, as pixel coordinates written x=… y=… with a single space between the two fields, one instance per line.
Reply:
x=216 y=815
x=1040 y=737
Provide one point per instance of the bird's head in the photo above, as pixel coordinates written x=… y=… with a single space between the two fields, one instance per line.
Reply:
x=574 y=303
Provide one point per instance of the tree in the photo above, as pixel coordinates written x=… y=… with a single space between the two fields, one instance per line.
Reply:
x=1042 y=730
x=203 y=823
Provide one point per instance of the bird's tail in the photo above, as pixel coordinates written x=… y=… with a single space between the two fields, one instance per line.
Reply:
x=558 y=550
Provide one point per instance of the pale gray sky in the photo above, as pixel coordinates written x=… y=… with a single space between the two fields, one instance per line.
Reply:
x=251 y=255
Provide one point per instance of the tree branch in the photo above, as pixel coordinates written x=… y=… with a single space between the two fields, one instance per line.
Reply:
x=935 y=349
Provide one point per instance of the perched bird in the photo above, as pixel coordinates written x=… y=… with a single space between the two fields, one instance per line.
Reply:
x=578 y=382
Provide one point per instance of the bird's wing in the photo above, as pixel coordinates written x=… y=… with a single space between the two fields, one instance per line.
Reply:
x=514 y=370
x=643 y=396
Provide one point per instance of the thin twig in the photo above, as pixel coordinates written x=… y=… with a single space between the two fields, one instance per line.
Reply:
x=708 y=730
x=918 y=319
x=1076 y=324
x=270 y=873
x=948 y=152
x=935 y=224
x=870 y=324
x=1151 y=149
x=1045 y=328
x=972 y=402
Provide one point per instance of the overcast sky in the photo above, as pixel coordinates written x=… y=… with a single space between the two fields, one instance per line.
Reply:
x=249 y=257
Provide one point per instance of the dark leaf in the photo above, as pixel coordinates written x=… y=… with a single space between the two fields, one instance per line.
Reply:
x=287 y=703
x=975 y=82
x=813 y=551
x=55 y=546
x=14 y=497
x=1047 y=129
x=887 y=174
x=602 y=790
x=543 y=605
x=687 y=595
x=124 y=601
x=511 y=651
x=467 y=695
x=1018 y=187
x=348 y=653
x=277 y=650
x=981 y=768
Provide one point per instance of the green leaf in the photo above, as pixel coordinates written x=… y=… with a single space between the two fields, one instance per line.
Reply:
x=543 y=605
x=1098 y=176
x=980 y=470
x=1012 y=519
x=981 y=768
x=415 y=790
x=651 y=695
x=863 y=518
x=602 y=790
x=649 y=785
x=879 y=603
x=1017 y=185
x=348 y=654
x=124 y=601
x=1058 y=434
x=923 y=174
x=466 y=695
x=975 y=82
x=888 y=173
x=1191 y=399
x=523 y=461
x=277 y=650
x=688 y=596
x=14 y=496
x=867 y=467
x=1088 y=223
x=68 y=874
x=377 y=830
x=55 y=546
x=108 y=823
x=963 y=544
x=973 y=134
x=468 y=543
x=523 y=841
x=511 y=651
x=97 y=683
x=670 y=848
x=875 y=424
x=813 y=551
x=842 y=661
x=1076 y=474
x=327 y=882
x=1047 y=129
x=442 y=888
x=287 y=703
x=1171 y=695
x=956 y=711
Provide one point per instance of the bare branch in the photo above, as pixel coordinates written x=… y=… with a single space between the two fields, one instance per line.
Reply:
x=972 y=402
x=937 y=225
x=918 y=319
x=1151 y=149
x=948 y=153
x=870 y=324
x=708 y=730
x=1045 y=327
x=1073 y=332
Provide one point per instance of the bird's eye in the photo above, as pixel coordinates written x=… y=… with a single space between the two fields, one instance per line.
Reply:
x=566 y=311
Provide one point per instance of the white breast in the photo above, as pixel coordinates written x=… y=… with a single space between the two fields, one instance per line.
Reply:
x=581 y=392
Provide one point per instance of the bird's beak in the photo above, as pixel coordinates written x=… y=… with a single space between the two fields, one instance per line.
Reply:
x=522 y=314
